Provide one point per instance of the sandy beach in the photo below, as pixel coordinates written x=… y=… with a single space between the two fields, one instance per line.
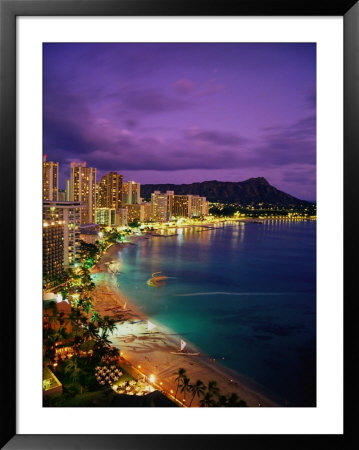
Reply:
x=150 y=352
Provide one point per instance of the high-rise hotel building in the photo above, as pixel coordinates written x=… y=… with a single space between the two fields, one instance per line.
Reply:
x=50 y=179
x=182 y=206
x=106 y=217
x=83 y=189
x=69 y=214
x=53 y=248
x=109 y=191
x=161 y=206
x=167 y=206
x=199 y=206
x=131 y=193
x=189 y=206
x=140 y=212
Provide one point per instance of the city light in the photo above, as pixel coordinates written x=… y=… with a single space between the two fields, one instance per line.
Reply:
x=152 y=378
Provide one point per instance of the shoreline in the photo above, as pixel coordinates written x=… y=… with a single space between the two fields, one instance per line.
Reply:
x=242 y=219
x=149 y=352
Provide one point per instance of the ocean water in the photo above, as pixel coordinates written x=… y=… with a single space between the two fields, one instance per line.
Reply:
x=243 y=292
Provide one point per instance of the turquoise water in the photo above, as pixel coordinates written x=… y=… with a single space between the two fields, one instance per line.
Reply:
x=242 y=292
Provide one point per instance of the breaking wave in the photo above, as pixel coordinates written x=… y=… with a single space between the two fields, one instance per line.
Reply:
x=197 y=294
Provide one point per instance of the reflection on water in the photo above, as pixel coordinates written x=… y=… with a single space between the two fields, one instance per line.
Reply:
x=245 y=292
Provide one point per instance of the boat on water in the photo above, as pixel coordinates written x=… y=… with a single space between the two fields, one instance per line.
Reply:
x=156 y=279
x=184 y=352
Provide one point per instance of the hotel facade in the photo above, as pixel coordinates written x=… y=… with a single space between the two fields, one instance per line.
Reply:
x=53 y=248
x=109 y=191
x=140 y=212
x=83 y=189
x=161 y=206
x=166 y=206
x=69 y=213
x=50 y=179
x=131 y=193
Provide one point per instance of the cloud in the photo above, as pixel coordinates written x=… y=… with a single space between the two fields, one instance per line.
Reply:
x=131 y=123
x=112 y=140
x=152 y=101
x=292 y=144
x=72 y=129
x=154 y=153
x=184 y=86
x=300 y=173
x=71 y=126
x=311 y=99
x=210 y=87
x=218 y=138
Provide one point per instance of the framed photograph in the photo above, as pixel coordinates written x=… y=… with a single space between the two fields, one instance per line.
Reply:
x=176 y=223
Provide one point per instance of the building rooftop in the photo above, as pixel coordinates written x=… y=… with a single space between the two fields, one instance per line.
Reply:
x=50 y=383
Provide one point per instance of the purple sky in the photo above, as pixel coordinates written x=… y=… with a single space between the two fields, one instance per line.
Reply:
x=180 y=113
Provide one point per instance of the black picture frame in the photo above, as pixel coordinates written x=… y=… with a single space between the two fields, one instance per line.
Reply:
x=9 y=10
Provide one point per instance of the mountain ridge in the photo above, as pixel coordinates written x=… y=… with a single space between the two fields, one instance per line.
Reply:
x=250 y=191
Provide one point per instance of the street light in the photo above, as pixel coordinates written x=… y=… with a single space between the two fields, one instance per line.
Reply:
x=152 y=378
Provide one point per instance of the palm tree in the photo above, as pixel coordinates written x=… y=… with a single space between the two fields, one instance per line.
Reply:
x=49 y=342
x=53 y=319
x=222 y=401
x=75 y=319
x=242 y=403
x=185 y=386
x=87 y=306
x=51 y=338
x=102 y=323
x=90 y=332
x=207 y=400
x=108 y=326
x=232 y=400
x=61 y=334
x=213 y=388
x=198 y=389
x=95 y=316
x=73 y=369
x=180 y=375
